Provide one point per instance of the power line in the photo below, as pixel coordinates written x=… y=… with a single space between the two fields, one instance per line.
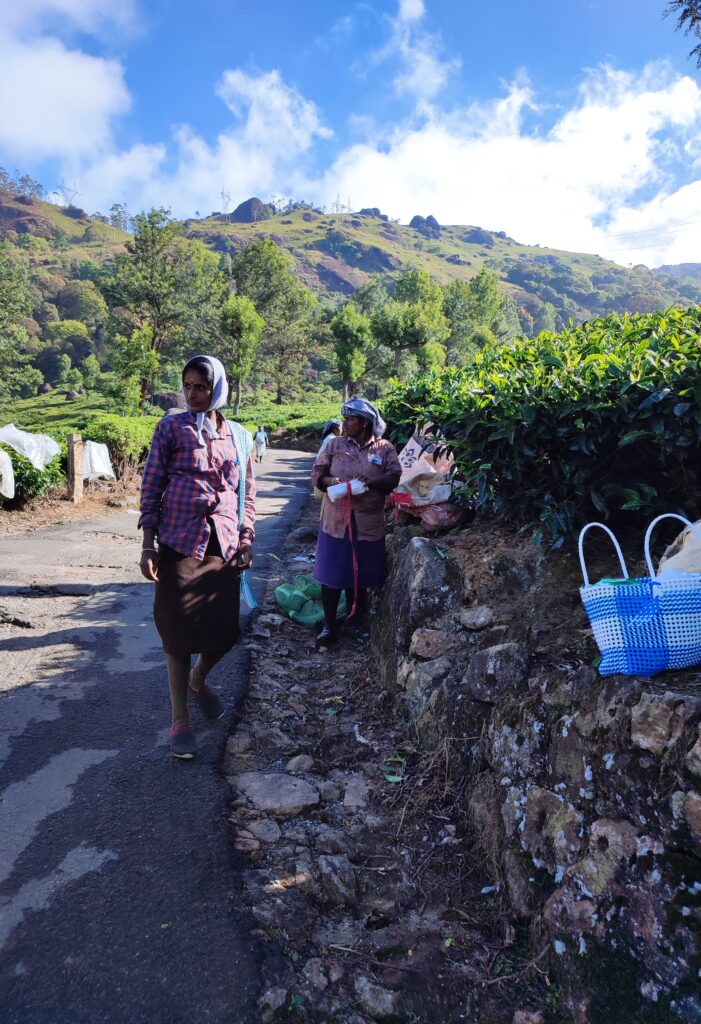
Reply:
x=651 y=231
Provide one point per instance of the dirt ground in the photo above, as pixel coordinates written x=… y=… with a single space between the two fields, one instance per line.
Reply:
x=54 y=508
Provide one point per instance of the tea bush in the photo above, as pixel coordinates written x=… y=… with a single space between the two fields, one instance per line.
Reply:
x=31 y=482
x=597 y=420
x=128 y=438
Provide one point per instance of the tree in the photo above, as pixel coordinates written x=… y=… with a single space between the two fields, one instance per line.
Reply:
x=134 y=361
x=416 y=286
x=63 y=367
x=352 y=335
x=62 y=330
x=478 y=310
x=119 y=216
x=688 y=14
x=80 y=300
x=15 y=305
x=166 y=283
x=91 y=372
x=408 y=326
x=240 y=331
x=370 y=297
x=544 y=319
x=263 y=273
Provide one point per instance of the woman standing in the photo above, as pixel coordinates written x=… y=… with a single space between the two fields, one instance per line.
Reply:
x=332 y=429
x=261 y=440
x=350 y=551
x=198 y=499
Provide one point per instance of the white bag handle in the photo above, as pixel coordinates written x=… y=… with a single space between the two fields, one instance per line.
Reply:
x=648 y=534
x=615 y=544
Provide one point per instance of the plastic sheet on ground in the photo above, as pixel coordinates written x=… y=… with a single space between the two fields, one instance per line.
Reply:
x=40 y=449
x=302 y=601
x=96 y=462
x=7 y=476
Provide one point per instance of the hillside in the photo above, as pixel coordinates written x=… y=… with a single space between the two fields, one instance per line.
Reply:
x=336 y=253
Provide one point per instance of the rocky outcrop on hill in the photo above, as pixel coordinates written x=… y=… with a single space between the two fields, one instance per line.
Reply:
x=583 y=792
x=252 y=210
x=427 y=226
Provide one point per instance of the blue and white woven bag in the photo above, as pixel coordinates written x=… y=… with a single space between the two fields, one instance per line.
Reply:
x=646 y=625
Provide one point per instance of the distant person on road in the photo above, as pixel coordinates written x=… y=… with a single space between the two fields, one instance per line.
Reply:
x=198 y=500
x=261 y=440
x=350 y=550
x=332 y=429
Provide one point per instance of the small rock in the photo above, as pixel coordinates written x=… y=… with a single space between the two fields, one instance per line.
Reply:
x=338 y=880
x=496 y=670
x=336 y=972
x=270 y=1002
x=528 y=1017
x=380 y=1003
x=266 y=830
x=330 y=840
x=328 y=791
x=313 y=973
x=239 y=743
x=476 y=618
x=657 y=720
x=276 y=793
x=430 y=643
x=693 y=758
x=260 y=631
x=271 y=619
x=300 y=763
x=355 y=794
x=692 y=813
x=246 y=844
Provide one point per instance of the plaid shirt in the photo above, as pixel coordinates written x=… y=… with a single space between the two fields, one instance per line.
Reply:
x=186 y=482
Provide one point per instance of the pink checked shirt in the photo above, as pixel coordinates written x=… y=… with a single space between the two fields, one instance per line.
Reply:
x=186 y=482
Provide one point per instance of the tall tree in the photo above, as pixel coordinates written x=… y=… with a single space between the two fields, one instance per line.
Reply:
x=240 y=330
x=352 y=336
x=15 y=305
x=166 y=283
x=263 y=272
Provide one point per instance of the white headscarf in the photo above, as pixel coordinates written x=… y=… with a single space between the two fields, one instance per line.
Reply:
x=220 y=396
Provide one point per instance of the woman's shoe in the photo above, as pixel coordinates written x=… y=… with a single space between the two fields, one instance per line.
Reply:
x=182 y=742
x=211 y=704
x=327 y=637
x=356 y=630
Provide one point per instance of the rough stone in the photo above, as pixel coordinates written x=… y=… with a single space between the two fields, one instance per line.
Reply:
x=247 y=844
x=355 y=793
x=328 y=791
x=430 y=643
x=528 y=1017
x=476 y=618
x=314 y=974
x=658 y=720
x=550 y=829
x=337 y=880
x=693 y=758
x=425 y=678
x=330 y=840
x=692 y=813
x=270 y=1002
x=265 y=829
x=272 y=620
x=276 y=793
x=567 y=913
x=497 y=670
x=300 y=763
x=611 y=843
x=239 y=743
x=380 y=1003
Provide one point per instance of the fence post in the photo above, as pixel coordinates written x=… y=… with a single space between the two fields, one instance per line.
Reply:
x=75 y=468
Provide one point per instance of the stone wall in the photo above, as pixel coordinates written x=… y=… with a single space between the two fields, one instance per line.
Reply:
x=583 y=792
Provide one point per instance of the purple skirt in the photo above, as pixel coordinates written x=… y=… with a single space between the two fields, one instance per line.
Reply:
x=333 y=565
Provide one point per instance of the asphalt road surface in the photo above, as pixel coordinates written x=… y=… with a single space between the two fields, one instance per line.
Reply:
x=119 y=885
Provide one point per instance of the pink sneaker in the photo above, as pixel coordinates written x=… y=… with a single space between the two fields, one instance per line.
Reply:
x=210 y=703
x=182 y=742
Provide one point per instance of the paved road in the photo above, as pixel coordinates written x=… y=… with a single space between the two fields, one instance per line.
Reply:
x=118 y=881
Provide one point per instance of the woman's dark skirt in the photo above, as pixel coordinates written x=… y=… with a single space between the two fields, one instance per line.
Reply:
x=333 y=565
x=196 y=608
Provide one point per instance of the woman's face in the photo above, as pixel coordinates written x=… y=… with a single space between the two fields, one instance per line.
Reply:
x=197 y=393
x=354 y=426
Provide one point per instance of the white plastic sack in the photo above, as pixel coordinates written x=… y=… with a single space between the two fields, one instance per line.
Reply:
x=96 y=461
x=40 y=449
x=7 y=476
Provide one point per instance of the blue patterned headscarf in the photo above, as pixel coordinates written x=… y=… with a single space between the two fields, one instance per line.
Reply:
x=358 y=406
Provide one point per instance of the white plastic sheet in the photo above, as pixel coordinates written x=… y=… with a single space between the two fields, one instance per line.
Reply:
x=96 y=461
x=7 y=476
x=40 y=449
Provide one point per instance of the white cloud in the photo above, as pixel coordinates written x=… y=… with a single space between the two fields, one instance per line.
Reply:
x=423 y=72
x=57 y=101
x=262 y=152
x=572 y=186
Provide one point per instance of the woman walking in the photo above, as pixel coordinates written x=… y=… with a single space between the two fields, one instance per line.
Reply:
x=261 y=440
x=350 y=551
x=198 y=499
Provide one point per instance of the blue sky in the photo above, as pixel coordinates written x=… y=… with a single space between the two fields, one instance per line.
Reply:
x=570 y=123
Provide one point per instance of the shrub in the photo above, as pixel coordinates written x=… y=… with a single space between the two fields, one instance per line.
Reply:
x=128 y=438
x=601 y=419
x=31 y=482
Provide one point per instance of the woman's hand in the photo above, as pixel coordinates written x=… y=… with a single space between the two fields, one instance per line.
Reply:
x=243 y=559
x=149 y=565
